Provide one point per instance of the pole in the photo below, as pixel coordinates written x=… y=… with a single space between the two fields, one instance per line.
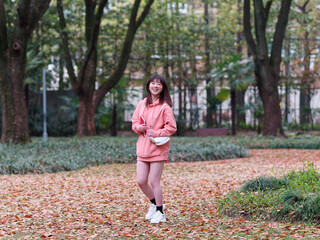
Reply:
x=45 y=134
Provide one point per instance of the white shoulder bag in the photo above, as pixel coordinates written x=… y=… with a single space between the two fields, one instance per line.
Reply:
x=159 y=140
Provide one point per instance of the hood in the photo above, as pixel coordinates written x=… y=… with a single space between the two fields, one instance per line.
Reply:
x=156 y=103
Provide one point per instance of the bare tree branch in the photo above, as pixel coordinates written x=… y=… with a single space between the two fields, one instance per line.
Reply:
x=260 y=29
x=247 y=28
x=125 y=52
x=279 y=33
x=92 y=35
x=303 y=8
x=65 y=46
x=37 y=9
x=267 y=8
x=3 y=28
x=144 y=13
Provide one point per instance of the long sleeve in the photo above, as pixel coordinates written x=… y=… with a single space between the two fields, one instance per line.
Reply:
x=165 y=125
x=136 y=117
x=170 y=126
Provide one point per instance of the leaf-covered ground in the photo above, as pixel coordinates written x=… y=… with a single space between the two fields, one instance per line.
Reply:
x=104 y=202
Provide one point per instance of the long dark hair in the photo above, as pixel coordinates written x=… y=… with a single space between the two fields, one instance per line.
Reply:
x=164 y=95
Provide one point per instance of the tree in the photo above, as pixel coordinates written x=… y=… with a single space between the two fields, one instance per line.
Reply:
x=210 y=91
x=239 y=74
x=267 y=66
x=13 y=60
x=305 y=20
x=84 y=82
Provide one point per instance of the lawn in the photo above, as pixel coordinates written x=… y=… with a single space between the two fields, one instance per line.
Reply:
x=104 y=202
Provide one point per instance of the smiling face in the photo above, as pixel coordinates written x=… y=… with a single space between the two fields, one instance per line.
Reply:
x=155 y=88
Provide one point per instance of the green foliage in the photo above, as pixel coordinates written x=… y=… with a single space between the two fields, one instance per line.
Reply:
x=295 y=197
x=264 y=184
x=60 y=122
x=249 y=205
x=303 y=127
x=66 y=154
x=236 y=70
x=223 y=95
x=204 y=151
x=260 y=142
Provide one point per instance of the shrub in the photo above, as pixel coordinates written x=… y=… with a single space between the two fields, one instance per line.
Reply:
x=295 y=197
x=253 y=205
x=202 y=151
x=259 y=142
x=264 y=184
x=66 y=154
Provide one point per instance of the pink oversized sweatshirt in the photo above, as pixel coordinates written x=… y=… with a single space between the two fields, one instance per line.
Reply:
x=164 y=126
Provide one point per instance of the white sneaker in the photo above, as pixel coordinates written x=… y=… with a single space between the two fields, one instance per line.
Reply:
x=152 y=210
x=158 y=217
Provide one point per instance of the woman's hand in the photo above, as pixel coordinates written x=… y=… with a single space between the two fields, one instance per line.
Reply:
x=150 y=132
x=142 y=128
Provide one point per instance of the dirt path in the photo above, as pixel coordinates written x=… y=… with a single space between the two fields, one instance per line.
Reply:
x=105 y=203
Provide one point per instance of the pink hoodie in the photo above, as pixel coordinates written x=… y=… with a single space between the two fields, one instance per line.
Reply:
x=164 y=126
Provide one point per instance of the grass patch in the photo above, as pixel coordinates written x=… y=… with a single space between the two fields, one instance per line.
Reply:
x=260 y=142
x=293 y=198
x=66 y=154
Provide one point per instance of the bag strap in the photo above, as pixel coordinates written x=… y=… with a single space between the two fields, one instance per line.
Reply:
x=158 y=114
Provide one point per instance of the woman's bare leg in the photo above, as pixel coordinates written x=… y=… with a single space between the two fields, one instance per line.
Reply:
x=156 y=169
x=143 y=169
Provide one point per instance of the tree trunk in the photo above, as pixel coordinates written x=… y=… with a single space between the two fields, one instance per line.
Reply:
x=267 y=67
x=272 y=115
x=84 y=83
x=305 y=107
x=210 y=91
x=114 y=127
x=305 y=92
x=233 y=111
x=241 y=115
x=87 y=106
x=287 y=83
x=86 y=123
x=13 y=59
x=272 y=121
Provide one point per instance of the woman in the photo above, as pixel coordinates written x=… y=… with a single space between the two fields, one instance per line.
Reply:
x=150 y=157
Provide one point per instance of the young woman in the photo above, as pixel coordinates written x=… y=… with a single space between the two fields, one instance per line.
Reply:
x=150 y=157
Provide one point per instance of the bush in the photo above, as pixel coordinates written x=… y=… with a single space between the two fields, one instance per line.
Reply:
x=258 y=142
x=264 y=184
x=202 y=151
x=66 y=154
x=295 y=197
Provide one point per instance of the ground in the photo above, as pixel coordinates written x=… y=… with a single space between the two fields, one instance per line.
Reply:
x=104 y=202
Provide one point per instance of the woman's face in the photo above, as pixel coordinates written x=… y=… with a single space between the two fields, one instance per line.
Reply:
x=155 y=88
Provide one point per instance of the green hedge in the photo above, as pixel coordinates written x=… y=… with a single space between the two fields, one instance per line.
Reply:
x=296 y=142
x=259 y=142
x=65 y=154
x=293 y=198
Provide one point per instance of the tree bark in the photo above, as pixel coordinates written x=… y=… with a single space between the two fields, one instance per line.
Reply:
x=210 y=91
x=241 y=116
x=86 y=123
x=84 y=83
x=305 y=107
x=233 y=96
x=305 y=92
x=267 y=67
x=13 y=60
x=114 y=126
